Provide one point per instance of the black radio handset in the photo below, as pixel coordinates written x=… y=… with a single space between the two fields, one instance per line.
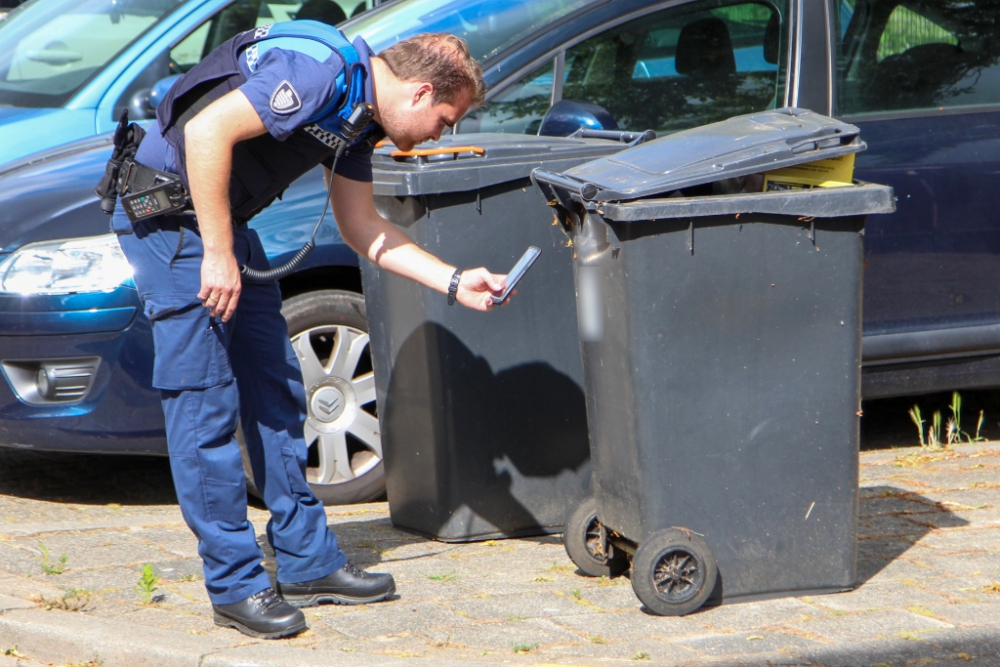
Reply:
x=352 y=128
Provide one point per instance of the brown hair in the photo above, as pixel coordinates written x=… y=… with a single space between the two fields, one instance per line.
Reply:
x=440 y=59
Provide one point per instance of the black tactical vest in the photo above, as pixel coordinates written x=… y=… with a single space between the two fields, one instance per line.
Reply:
x=263 y=167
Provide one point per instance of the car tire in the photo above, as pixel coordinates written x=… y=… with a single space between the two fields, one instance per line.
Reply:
x=344 y=464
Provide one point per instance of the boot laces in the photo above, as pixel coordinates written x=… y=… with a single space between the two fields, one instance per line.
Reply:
x=267 y=598
x=356 y=571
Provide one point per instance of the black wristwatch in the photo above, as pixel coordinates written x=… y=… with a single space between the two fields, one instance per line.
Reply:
x=453 y=286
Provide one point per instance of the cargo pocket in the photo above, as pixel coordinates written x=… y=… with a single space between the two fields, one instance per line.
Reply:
x=190 y=346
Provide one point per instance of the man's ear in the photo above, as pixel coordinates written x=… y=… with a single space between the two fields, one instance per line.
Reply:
x=424 y=92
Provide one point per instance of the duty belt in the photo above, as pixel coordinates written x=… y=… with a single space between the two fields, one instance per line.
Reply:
x=146 y=192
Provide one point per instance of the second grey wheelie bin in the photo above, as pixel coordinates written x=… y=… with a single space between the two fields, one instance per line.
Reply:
x=482 y=415
x=721 y=340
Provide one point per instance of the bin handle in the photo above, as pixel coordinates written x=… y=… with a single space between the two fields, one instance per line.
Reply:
x=630 y=138
x=445 y=150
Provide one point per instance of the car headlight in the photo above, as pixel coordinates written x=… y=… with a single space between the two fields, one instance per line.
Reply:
x=66 y=266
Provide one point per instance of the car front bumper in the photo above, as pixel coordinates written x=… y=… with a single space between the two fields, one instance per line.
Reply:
x=77 y=374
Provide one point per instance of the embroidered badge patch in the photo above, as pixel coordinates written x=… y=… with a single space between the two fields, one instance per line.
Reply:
x=284 y=99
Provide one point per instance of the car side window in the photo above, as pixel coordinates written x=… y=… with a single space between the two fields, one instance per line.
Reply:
x=684 y=66
x=919 y=54
x=234 y=18
x=518 y=109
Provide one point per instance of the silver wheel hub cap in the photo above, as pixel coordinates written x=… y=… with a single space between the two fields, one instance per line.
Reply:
x=330 y=403
x=336 y=396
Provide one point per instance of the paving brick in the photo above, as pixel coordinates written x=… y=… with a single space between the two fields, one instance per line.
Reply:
x=503 y=607
x=506 y=636
x=879 y=596
x=853 y=627
x=968 y=614
x=865 y=653
x=390 y=618
x=632 y=625
x=745 y=643
x=754 y=616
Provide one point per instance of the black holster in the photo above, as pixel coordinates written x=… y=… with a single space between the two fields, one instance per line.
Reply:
x=127 y=138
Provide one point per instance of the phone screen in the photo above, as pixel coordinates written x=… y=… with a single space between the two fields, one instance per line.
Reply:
x=516 y=273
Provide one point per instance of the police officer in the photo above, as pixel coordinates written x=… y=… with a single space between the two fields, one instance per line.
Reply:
x=237 y=129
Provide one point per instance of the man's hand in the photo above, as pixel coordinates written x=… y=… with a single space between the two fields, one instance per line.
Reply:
x=220 y=284
x=477 y=286
x=209 y=138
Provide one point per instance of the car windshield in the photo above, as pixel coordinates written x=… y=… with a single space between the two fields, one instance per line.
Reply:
x=487 y=25
x=50 y=49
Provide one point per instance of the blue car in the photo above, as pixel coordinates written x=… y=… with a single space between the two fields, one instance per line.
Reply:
x=921 y=78
x=68 y=67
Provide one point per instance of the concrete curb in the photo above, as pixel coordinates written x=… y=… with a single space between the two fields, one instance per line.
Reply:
x=66 y=637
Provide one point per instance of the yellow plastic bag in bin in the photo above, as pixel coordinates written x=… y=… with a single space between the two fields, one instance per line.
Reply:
x=833 y=172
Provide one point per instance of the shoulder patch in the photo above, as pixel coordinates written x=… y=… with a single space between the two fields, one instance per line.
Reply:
x=284 y=99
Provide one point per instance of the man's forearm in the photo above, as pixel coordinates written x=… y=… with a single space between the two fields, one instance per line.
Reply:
x=394 y=251
x=209 y=165
x=373 y=237
x=209 y=139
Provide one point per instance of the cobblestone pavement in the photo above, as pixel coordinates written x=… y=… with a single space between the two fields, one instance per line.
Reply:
x=75 y=532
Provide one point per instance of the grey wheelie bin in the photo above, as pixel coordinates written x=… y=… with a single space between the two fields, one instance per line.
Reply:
x=482 y=415
x=720 y=328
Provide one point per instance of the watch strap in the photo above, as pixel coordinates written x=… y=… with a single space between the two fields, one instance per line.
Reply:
x=453 y=286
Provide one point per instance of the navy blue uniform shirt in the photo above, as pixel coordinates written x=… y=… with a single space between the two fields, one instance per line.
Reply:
x=289 y=87
x=312 y=83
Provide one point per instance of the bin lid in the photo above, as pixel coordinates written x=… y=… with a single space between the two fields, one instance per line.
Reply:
x=464 y=162
x=741 y=145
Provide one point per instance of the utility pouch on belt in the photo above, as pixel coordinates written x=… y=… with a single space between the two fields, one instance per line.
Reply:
x=146 y=192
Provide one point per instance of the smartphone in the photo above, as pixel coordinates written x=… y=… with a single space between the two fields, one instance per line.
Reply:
x=515 y=275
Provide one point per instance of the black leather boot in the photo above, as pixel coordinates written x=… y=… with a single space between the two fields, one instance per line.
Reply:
x=348 y=585
x=264 y=615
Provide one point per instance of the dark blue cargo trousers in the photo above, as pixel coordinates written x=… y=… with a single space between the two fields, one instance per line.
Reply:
x=212 y=375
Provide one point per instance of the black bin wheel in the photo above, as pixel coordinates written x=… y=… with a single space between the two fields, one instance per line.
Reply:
x=673 y=572
x=587 y=545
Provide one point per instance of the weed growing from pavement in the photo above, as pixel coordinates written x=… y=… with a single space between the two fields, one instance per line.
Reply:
x=919 y=422
x=189 y=577
x=641 y=655
x=48 y=567
x=515 y=617
x=97 y=661
x=446 y=576
x=74 y=599
x=576 y=593
x=146 y=585
x=597 y=639
x=953 y=433
x=934 y=435
x=543 y=579
x=524 y=648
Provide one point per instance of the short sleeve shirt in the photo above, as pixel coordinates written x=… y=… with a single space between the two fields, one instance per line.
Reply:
x=290 y=86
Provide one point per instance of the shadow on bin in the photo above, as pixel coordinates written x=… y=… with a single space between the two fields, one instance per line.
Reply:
x=465 y=491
